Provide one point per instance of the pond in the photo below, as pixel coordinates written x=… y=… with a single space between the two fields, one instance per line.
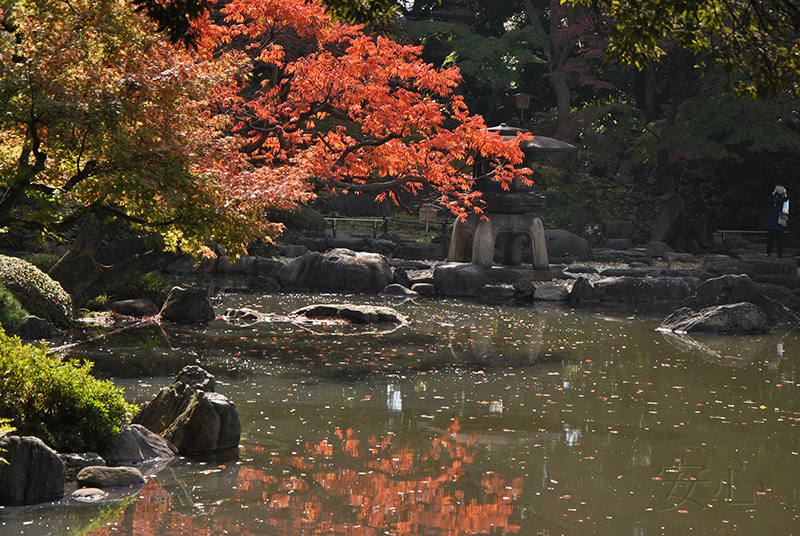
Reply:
x=473 y=419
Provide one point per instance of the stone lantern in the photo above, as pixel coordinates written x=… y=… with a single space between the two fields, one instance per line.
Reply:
x=507 y=213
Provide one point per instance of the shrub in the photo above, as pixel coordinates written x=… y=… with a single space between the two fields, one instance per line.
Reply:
x=153 y=286
x=11 y=312
x=58 y=401
x=36 y=291
x=43 y=261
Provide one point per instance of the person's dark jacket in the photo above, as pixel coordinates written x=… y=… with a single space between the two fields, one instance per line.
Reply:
x=775 y=206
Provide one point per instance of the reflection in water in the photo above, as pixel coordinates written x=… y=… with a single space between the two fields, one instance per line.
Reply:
x=394 y=398
x=349 y=485
x=571 y=423
x=724 y=350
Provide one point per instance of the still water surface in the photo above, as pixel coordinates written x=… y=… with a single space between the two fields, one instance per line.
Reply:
x=472 y=420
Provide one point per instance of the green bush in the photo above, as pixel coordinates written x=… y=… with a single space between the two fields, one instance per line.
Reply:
x=43 y=261
x=36 y=291
x=11 y=312
x=58 y=401
x=152 y=286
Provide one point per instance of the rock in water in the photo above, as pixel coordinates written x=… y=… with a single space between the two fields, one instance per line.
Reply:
x=34 y=474
x=339 y=270
x=187 y=305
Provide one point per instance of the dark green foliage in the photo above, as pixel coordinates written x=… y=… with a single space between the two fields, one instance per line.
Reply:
x=43 y=261
x=152 y=286
x=11 y=312
x=298 y=221
x=36 y=291
x=58 y=401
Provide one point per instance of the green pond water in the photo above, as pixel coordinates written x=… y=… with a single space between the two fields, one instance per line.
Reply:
x=474 y=419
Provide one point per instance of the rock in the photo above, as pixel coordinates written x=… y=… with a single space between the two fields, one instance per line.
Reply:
x=624 y=272
x=761 y=265
x=622 y=229
x=671 y=257
x=397 y=291
x=581 y=269
x=167 y=406
x=401 y=277
x=191 y=416
x=633 y=289
x=495 y=293
x=524 y=289
x=424 y=289
x=419 y=251
x=730 y=289
x=197 y=378
x=339 y=270
x=355 y=244
x=382 y=247
x=313 y=244
x=459 y=279
x=360 y=314
x=110 y=477
x=551 y=293
x=210 y=423
x=137 y=444
x=89 y=494
x=266 y=267
x=73 y=463
x=658 y=249
x=292 y=251
x=138 y=307
x=717 y=264
x=34 y=328
x=562 y=244
x=187 y=306
x=244 y=314
x=587 y=226
x=736 y=318
x=619 y=243
x=34 y=474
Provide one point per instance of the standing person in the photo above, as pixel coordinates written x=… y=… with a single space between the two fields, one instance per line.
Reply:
x=777 y=201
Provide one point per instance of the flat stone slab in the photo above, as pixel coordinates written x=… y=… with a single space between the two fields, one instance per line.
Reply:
x=360 y=314
x=110 y=477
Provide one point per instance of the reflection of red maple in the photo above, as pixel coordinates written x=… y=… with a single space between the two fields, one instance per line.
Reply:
x=350 y=486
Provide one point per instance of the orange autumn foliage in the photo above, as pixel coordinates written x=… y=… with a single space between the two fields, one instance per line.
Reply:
x=323 y=104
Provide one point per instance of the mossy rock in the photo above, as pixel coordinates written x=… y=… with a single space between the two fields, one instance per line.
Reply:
x=36 y=291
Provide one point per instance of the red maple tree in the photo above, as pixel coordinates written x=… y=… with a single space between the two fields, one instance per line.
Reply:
x=323 y=104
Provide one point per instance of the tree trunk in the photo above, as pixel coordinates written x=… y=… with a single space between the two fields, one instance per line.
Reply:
x=84 y=278
x=562 y=95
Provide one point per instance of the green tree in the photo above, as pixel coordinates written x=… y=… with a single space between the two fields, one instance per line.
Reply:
x=754 y=42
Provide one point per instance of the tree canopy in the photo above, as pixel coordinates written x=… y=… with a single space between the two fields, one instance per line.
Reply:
x=755 y=41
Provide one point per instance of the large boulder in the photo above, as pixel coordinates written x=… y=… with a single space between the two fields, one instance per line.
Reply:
x=622 y=229
x=338 y=270
x=34 y=474
x=187 y=305
x=136 y=444
x=587 y=226
x=781 y=272
x=110 y=477
x=737 y=318
x=562 y=244
x=210 y=423
x=633 y=289
x=191 y=416
x=729 y=289
x=459 y=279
